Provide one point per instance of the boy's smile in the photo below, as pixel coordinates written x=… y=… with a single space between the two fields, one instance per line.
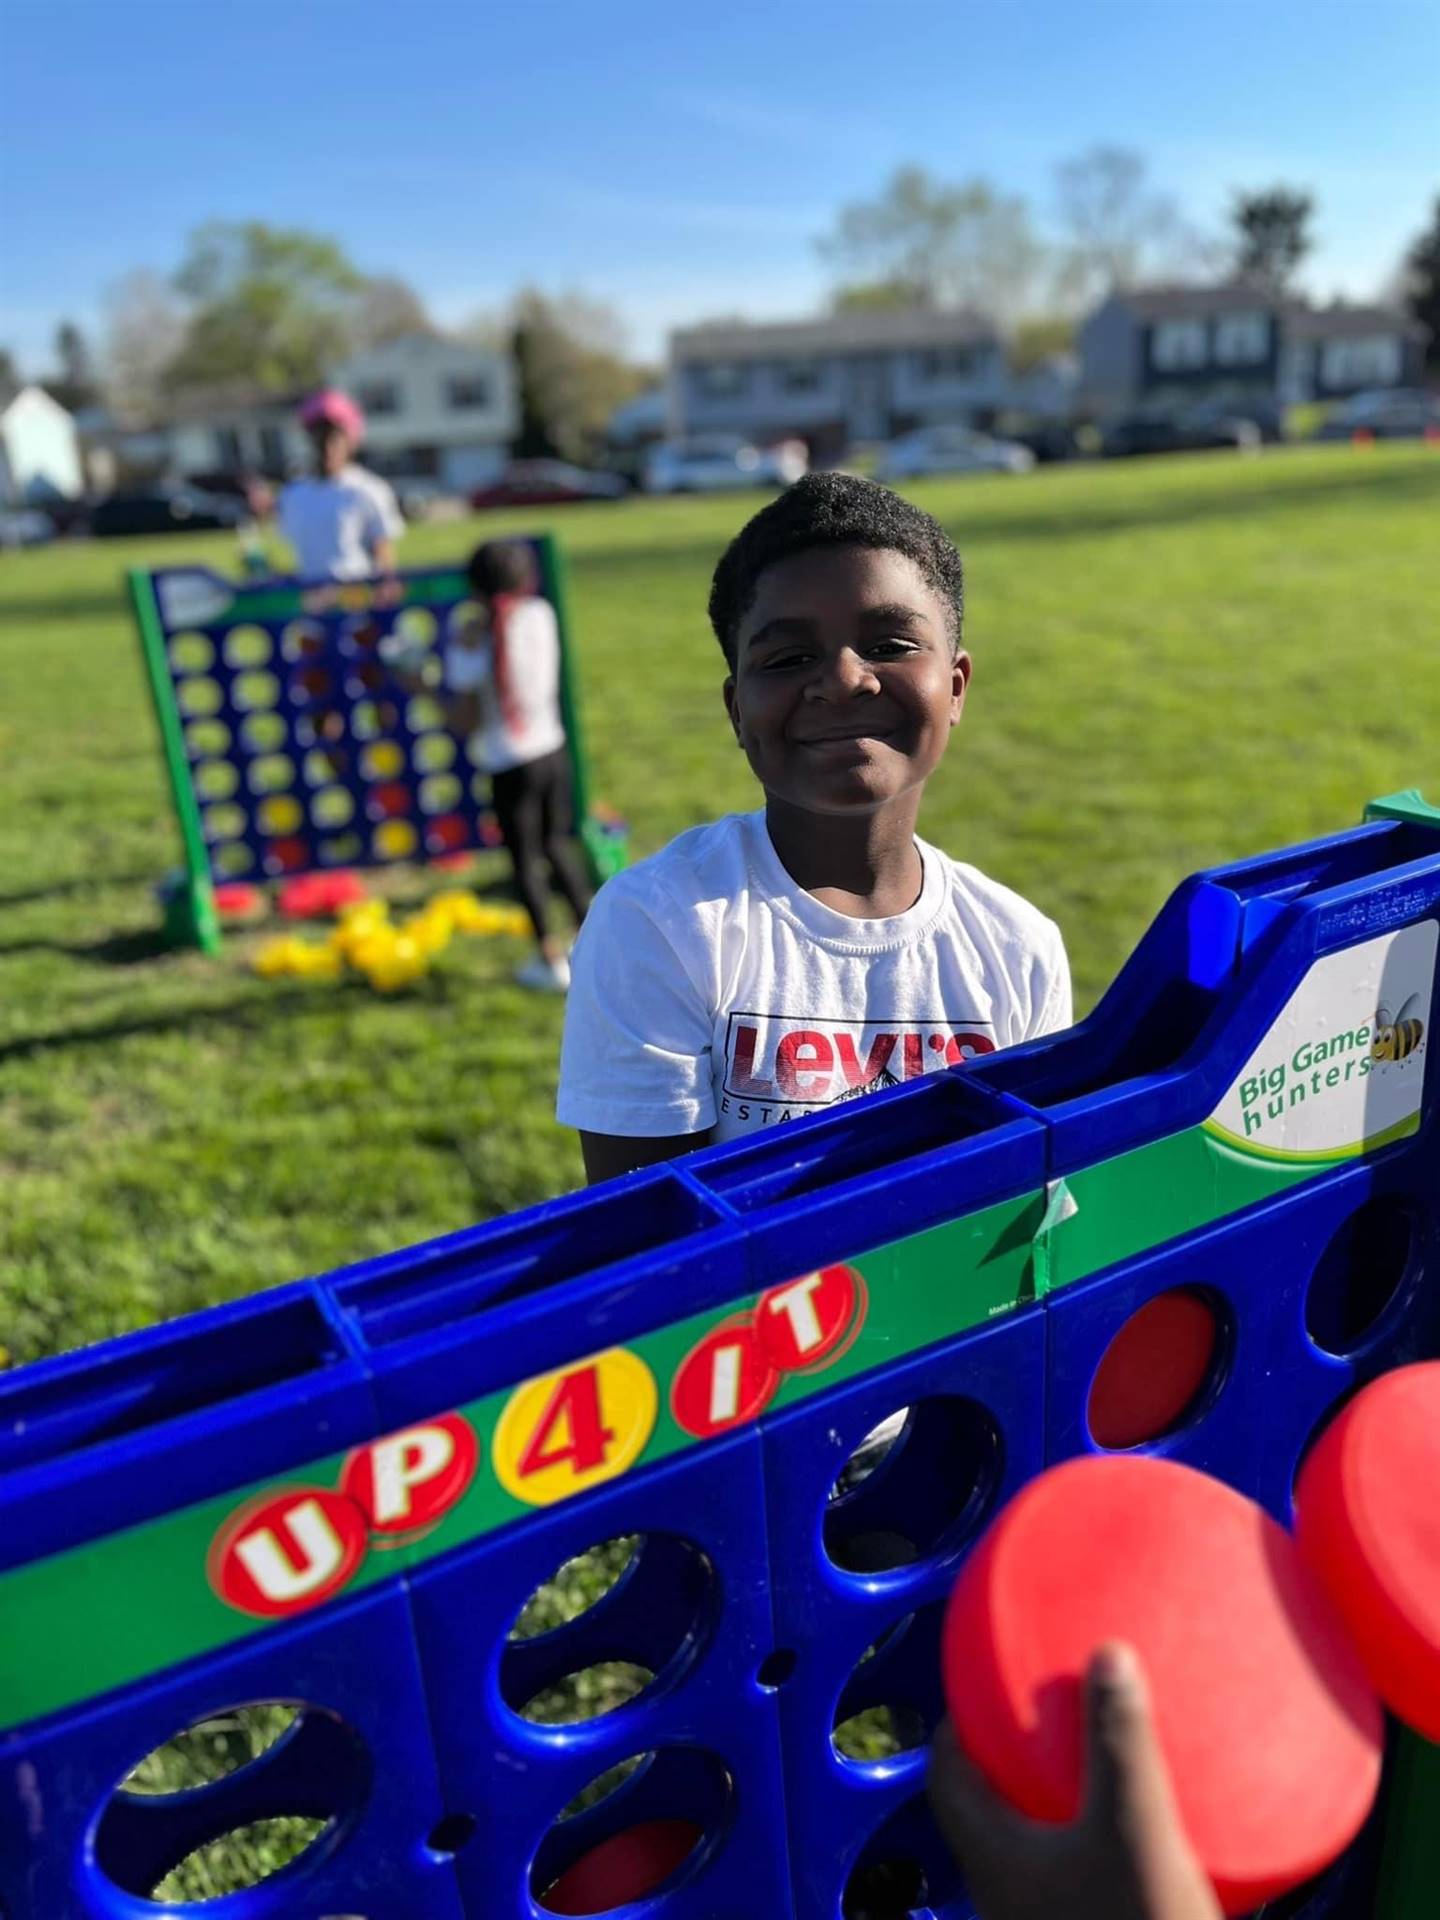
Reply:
x=846 y=681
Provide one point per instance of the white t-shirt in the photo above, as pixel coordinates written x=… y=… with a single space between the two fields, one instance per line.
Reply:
x=708 y=989
x=333 y=525
x=533 y=727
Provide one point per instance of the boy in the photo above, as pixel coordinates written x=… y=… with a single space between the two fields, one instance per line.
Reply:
x=764 y=966
x=343 y=523
x=502 y=688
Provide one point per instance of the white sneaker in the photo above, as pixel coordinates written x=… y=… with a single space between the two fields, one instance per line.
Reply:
x=545 y=976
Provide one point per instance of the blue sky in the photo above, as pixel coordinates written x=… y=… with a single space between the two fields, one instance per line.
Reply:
x=674 y=161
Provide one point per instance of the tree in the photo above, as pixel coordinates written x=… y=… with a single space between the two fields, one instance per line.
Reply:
x=9 y=372
x=387 y=309
x=75 y=385
x=571 y=370
x=1035 y=341
x=1421 y=285
x=1117 y=228
x=269 y=305
x=1271 y=235
x=143 y=332
x=923 y=243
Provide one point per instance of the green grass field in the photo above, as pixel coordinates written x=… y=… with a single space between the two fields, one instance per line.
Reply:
x=1177 y=661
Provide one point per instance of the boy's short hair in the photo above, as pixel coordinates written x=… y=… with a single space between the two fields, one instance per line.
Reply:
x=502 y=566
x=833 y=510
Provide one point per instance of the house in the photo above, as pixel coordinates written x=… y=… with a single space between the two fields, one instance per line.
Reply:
x=1332 y=352
x=436 y=408
x=1160 y=347
x=233 y=427
x=862 y=374
x=39 y=450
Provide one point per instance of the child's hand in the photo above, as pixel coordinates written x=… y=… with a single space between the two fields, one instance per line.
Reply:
x=1124 y=1858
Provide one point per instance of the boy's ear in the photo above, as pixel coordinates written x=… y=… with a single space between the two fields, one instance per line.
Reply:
x=728 y=695
x=959 y=680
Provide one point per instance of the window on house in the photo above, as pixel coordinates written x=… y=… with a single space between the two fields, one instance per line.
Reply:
x=272 y=449
x=947 y=363
x=1179 y=344
x=227 y=449
x=382 y=398
x=1241 y=339
x=800 y=376
x=1371 y=361
x=722 y=379
x=467 y=390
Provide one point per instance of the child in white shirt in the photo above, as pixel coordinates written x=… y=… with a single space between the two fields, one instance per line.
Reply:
x=772 y=963
x=343 y=521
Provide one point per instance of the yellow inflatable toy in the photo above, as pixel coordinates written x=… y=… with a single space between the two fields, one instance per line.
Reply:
x=390 y=956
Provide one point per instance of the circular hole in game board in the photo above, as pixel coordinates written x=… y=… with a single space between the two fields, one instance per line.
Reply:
x=257 y=688
x=446 y=836
x=903 y=1869
x=423 y=715
x=262 y=732
x=303 y=640
x=199 y=698
x=929 y=1490
x=233 y=859
x=191 y=653
x=439 y=793
x=885 y=1890
x=1162 y=1369
x=636 y=1831
x=587 y=1694
x=360 y=636
x=343 y=851
x=206 y=737
x=230 y=1802
x=367 y=677
x=247 y=647
x=877 y=1734
x=382 y=760
x=310 y=683
x=225 y=821
x=448 y=1836
x=324 y=729
x=608 y=1625
x=216 y=779
x=776 y=1669
x=394 y=840
x=272 y=773
x=433 y=753
x=1361 y=1271
x=332 y=807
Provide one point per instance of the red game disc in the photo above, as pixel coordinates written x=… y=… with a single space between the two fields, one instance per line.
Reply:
x=1271 y=1730
x=1153 y=1369
x=238 y=900
x=623 y=1868
x=1367 y=1520
x=310 y=896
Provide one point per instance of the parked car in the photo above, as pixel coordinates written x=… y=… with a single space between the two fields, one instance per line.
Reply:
x=950 y=450
x=25 y=527
x=1195 y=431
x=166 y=510
x=722 y=462
x=1390 y=413
x=547 y=483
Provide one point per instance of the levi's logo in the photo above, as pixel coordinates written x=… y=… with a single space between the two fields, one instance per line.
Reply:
x=810 y=1062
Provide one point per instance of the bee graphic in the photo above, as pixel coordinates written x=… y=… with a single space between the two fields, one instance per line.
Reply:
x=1397 y=1039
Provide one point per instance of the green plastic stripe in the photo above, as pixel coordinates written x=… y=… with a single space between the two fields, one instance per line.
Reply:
x=204 y=922
x=56 y=1648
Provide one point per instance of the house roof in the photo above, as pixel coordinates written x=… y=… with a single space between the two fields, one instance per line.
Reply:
x=1181 y=302
x=226 y=398
x=869 y=329
x=1341 y=322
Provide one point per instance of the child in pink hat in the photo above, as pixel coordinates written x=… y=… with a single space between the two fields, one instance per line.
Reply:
x=343 y=521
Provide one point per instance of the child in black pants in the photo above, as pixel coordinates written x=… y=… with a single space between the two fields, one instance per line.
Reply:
x=502 y=693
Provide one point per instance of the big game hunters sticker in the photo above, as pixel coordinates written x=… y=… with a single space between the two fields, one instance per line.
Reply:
x=1342 y=1070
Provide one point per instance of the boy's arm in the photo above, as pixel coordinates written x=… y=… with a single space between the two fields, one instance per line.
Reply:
x=608 y=1154
x=635 y=1063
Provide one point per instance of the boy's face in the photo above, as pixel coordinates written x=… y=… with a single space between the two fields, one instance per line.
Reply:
x=846 y=685
x=332 y=445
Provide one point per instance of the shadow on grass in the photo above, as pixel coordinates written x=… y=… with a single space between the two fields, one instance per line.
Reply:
x=49 y=609
x=117 y=950
x=62 y=889
x=249 y=1014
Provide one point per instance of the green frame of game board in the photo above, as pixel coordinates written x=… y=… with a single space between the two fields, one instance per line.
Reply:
x=191 y=917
